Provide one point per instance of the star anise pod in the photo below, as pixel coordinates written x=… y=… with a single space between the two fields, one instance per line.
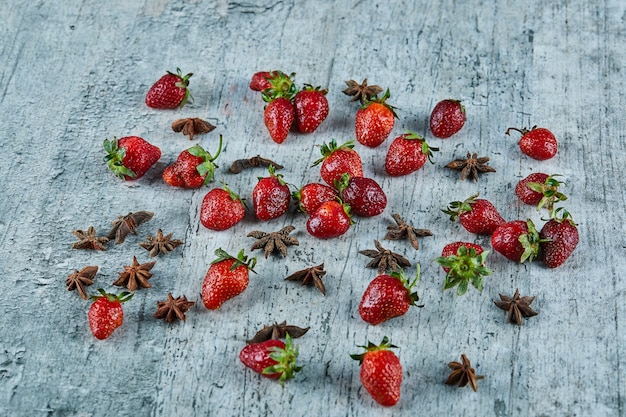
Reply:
x=463 y=374
x=274 y=241
x=310 y=276
x=277 y=331
x=362 y=92
x=516 y=307
x=160 y=244
x=135 y=276
x=384 y=259
x=192 y=126
x=89 y=240
x=471 y=166
x=78 y=280
x=124 y=225
x=402 y=230
x=173 y=308
x=256 y=161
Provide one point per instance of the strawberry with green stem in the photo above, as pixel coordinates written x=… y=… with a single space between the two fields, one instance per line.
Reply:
x=193 y=168
x=464 y=264
x=310 y=196
x=331 y=219
x=106 y=313
x=272 y=358
x=537 y=142
x=271 y=196
x=541 y=190
x=170 y=91
x=559 y=238
x=311 y=107
x=364 y=195
x=279 y=112
x=447 y=118
x=130 y=157
x=476 y=215
x=517 y=240
x=374 y=121
x=221 y=209
x=227 y=277
x=337 y=160
x=408 y=153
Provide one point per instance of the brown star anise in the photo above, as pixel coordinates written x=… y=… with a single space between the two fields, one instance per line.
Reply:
x=310 y=276
x=192 y=126
x=277 y=331
x=173 y=308
x=89 y=240
x=362 y=92
x=160 y=244
x=78 y=280
x=273 y=241
x=471 y=166
x=384 y=259
x=135 y=276
x=516 y=307
x=463 y=374
x=403 y=230
x=124 y=225
x=256 y=161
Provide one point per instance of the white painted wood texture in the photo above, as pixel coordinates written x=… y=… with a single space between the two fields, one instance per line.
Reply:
x=75 y=72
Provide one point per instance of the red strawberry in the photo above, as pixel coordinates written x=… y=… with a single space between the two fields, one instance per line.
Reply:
x=130 y=157
x=338 y=160
x=221 y=209
x=381 y=372
x=363 y=195
x=271 y=196
x=193 y=168
x=374 y=121
x=387 y=296
x=517 y=240
x=559 y=237
x=476 y=215
x=226 y=278
x=331 y=219
x=279 y=112
x=170 y=91
x=272 y=358
x=106 y=314
x=447 y=118
x=407 y=153
x=538 y=142
x=464 y=264
x=259 y=81
x=539 y=189
x=312 y=195
x=311 y=108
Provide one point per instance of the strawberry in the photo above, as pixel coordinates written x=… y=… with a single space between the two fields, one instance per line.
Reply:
x=106 y=313
x=538 y=142
x=130 y=157
x=279 y=113
x=539 y=189
x=226 y=278
x=311 y=108
x=387 y=296
x=476 y=215
x=374 y=121
x=259 y=81
x=331 y=219
x=221 y=209
x=170 y=91
x=464 y=264
x=310 y=196
x=447 y=118
x=381 y=372
x=271 y=196
x=338 y=160
x=517 y=240
x=364 y=196
x=407 y=153
x=559 y=237
x=193 y=168
x=272 y=358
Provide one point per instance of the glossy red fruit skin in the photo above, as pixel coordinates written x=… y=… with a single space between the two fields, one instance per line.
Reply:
x=384 y=298
x=452 y=249
x=328 y=221
x=220 y=211
x=525 y=194
x=222 y=283
x=256 y=356
x=562 y=238
x=311 y=109
x=166 y=94
x=183 y=172
x=104 y=317
x=279 y=115
x=140 y=155
x=505 y=239
x=539 y=143
x=364 y=196
x=404 y=156
x=259 y=81
x=341 y=161
x=270 y=198
x=381 y=376
x=447 y=118
x=374 y=123
x=482 y=219
x=312 y=195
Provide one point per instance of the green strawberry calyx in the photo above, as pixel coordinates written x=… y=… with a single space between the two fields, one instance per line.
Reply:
x=183 y=82
x=234 y=196
x=114 y=159
x=530 y=242
x=426 y=149
x=207 y=168
x=122 y=297
x=464 y=268
x=371 y=347
x=286 y=358
x=408 y=284
x=330 y=148
x=456 y=208
x=550 y=191
x=382 y=100
x=241 y=259
x=318 y=89
x=281 y=85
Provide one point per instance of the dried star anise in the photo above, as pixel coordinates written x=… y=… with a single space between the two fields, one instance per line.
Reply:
x=277 y=331
x=124 y=225
x=89 y=240
x=135 y=276
x=463 y=374
x=403 y=230
x=362 y=92
x=270 y=242
x=471 y=166
x=192 y=126
x=256 y=161
x=384 y=259
x=78 y=280
x=310 y=276
x=160 y=244
x=173 y=308
x=516 y=307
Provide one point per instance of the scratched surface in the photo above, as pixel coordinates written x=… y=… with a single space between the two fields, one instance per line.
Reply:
x=75 y=72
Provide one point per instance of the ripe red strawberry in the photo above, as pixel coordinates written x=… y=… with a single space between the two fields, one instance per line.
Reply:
x=374 y=121
x=338 y=160
x=130 y=157
x=364 y=196
x=272 y=358
x=476 y=215
x=226 y=278
x=381 y=372
x=517 y=240
x=311 y=108
x=312 y=195
x=221 y=209
x=106 y=313
x=539 y=189
x=447 y=118
x=331 y=219
x=464 y=264
x=559 y=237
x=193 y=168
x=271 y=196
x=387 y=296
x=170 y=91
x=259 y=81
x=407 y=153
x=279 y=113
x=538 y=142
